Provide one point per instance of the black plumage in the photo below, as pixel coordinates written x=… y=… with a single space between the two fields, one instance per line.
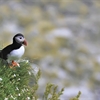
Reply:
x=14 y=46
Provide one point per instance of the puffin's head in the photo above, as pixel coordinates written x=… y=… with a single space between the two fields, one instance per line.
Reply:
x=19 y=38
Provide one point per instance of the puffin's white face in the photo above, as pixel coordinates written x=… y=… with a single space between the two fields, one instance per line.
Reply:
x=20 y=39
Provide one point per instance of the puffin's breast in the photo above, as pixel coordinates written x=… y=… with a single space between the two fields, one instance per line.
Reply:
x=17 y=53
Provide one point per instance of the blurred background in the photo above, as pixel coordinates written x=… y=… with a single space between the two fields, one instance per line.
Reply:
x=63 y=41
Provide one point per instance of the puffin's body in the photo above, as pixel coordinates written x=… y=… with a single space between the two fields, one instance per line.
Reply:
x=14 y=50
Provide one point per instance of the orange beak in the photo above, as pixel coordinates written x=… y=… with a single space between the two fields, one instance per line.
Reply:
x=25 y=42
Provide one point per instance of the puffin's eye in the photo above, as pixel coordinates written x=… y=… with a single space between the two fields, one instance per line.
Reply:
x=20 y=37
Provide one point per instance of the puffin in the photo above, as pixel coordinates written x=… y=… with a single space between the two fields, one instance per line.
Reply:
x=15 y=50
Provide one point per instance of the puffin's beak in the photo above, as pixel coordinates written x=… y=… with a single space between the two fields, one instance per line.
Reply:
x=25 y=42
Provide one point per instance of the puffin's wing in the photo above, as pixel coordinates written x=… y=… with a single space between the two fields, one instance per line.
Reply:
x=4 y=52
x=0 y=53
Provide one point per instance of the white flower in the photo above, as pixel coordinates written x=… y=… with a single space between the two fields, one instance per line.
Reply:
x=17 y=88
x=14 y=75
x=11 y=96
x=27 y=61
x=0 y=79
x=28 y=98
x=27 y=90
x=18 y=79
x=19 y=94
x=29 y=72
x=23 y=90
x=18 y=65
x=6 y=99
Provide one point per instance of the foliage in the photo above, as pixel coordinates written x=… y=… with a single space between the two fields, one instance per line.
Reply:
x=15 y=82
x=50 y=92
x=20 y=83
x=77 y=97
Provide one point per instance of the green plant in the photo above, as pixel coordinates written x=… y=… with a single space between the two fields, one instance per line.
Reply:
x=77 y=97
x=15 y=82
x=20 y=83
x=51 y=92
